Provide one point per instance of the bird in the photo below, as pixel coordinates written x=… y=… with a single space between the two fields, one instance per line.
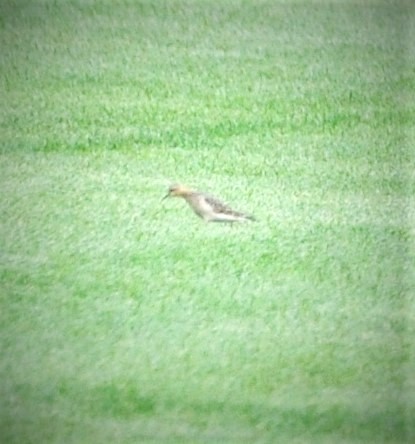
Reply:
x=207 y=207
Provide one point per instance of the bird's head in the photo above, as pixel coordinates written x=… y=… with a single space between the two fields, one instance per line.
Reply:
x=177 y=191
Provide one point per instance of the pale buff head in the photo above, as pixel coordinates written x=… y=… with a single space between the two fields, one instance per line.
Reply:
x=177 y=190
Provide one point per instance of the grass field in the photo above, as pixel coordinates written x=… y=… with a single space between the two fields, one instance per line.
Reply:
x=125 y=319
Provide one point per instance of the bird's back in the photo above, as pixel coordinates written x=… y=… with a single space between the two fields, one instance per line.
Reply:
x=212 y=209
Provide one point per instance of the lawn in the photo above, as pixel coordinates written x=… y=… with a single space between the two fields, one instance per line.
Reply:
x=126 y=319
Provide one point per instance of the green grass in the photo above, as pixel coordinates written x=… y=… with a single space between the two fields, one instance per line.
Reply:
x=125 y=319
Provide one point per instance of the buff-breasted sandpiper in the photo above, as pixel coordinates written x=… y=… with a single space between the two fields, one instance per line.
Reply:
x=207 y=207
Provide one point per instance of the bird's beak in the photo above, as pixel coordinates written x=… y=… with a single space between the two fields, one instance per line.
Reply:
x=166 y=196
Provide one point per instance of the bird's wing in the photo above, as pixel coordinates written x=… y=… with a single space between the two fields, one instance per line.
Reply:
x=220 y=207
